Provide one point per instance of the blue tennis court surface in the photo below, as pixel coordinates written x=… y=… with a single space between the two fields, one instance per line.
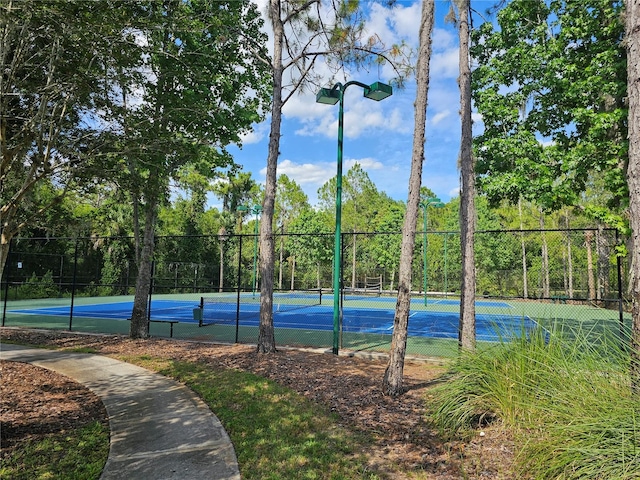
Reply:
x=433 y=324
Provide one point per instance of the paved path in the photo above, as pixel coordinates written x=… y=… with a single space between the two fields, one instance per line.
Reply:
x=160 y=430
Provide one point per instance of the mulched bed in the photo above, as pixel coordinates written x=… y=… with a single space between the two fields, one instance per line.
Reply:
x=351 y=387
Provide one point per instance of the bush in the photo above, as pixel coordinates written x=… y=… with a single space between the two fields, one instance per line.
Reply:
x=567 y=402
x=36 y=287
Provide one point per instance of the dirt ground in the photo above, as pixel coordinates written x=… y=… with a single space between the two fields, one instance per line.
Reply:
x=35 y=402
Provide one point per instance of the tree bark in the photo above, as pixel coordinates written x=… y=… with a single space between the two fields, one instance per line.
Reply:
x=632 y=33
x=266 y=336
x=139 y=327
x=221 y=239
x=569 y=259
x=392 y=383
x=603 y=250
x=353 y=261
x=545 y=260
x=525 y=281
x=467 y=328
x=588 y=238
x=5 y=248
x=280 y=269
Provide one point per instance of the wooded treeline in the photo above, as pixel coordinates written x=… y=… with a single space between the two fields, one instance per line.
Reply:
x=115 y=117
x=573 y=258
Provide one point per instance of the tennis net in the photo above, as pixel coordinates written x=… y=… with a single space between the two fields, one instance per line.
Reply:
x=361 y=293
x=225 y=308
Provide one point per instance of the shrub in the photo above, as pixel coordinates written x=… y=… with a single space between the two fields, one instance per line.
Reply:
x=568 y=403
x=36 y=287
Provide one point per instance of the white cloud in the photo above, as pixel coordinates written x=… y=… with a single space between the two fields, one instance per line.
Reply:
x=259 y=132
x=318 y=173
x=438 y=117
x=360 y=115
x=304 y=106
x=444 y=40
x=365 y=163
x=392 y=25
x=407 y=21
x=306 y=174
x=444 y=64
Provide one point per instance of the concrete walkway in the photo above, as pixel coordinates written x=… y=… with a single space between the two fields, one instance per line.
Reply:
x=160 y=429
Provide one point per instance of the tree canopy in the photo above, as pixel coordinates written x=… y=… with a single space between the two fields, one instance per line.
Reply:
x=550 y=84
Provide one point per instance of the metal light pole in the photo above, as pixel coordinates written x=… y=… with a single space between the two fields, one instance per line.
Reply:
x=255 y=210
x=429 y=202
x=376 y=91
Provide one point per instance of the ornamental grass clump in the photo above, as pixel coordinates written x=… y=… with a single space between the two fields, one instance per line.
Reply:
x=565 y=397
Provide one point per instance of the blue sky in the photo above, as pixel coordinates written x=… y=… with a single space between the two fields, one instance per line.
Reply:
x=378 y=135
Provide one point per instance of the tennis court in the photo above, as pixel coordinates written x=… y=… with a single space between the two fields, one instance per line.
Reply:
x=307 y=312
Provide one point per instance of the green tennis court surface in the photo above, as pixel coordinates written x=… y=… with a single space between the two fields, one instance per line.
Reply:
x=294 y=313
x=306 y=319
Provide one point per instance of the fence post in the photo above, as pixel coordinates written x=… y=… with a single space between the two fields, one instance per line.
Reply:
x=238 y=287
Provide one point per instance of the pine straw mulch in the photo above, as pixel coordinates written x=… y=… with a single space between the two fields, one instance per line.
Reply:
x=35 y=401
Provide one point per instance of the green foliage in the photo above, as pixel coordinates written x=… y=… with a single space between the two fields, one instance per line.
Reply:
x=38 y=287
x=50 y=61
x=567 y=401
x=361 y=200
x=290 y=200
x=196 y=95
x=311 y=241
x=550 y=86
x=236 y=189
x=385 y=249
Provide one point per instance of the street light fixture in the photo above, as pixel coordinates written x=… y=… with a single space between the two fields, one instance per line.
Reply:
x=255 y=210
x=429 y=202
x=330 y=96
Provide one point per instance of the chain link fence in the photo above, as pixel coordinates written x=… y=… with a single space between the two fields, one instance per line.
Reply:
x=208 y=287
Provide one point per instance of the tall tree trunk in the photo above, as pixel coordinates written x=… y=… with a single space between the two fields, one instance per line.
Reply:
x=603 y=250
x=545 y=260
x=266 y=336
x=353 y=261
x=139 y=327
x=525 y=281
x=569 y=259
x=632 y=28
x=392 y=383
x=5 y=247
x=467 y=328
x=221 y=239
x=588 y=238
x=280 y=269
x=293 y=272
